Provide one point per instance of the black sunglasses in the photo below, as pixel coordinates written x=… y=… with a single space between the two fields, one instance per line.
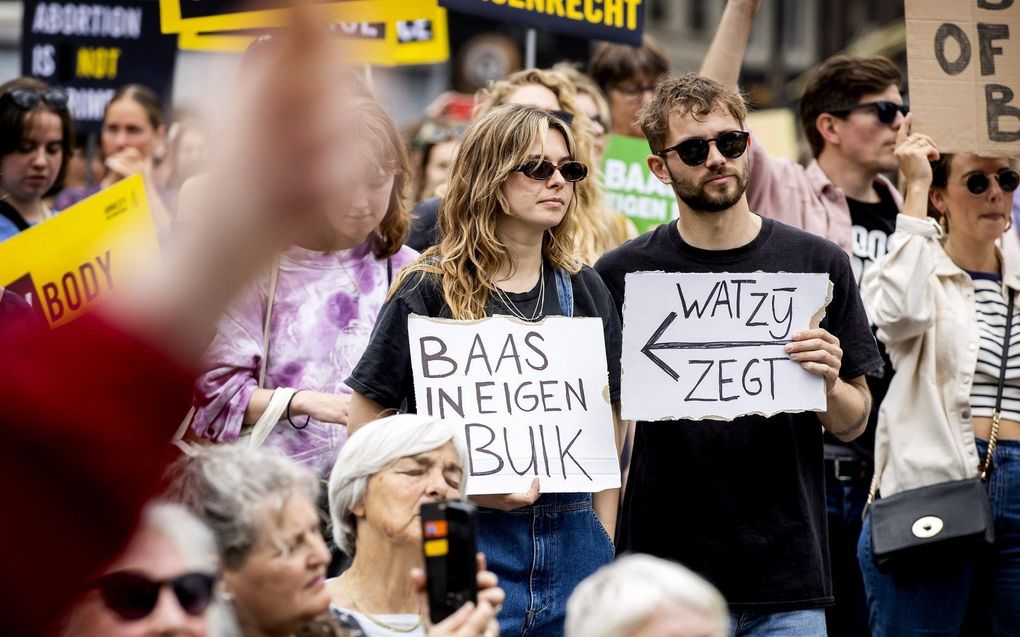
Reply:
x=694 y=152
x=885 y=110
x=133 y=596
x=563 y=116
x=27 y=98
x=1008 y=180
x=542 y=170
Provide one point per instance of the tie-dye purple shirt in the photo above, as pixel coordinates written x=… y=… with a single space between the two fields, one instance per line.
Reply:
x=319 y=328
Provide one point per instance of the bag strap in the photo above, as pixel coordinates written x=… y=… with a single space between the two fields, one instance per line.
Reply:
x=993 y=438
x=12 y=214
x=274 y=274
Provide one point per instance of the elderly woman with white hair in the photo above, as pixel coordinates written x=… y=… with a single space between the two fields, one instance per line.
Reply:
x=162 y=584
x=381 y=478
x=644 y=596
x=261 y=509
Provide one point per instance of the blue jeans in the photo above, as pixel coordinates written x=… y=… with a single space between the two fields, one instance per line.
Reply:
x=845 y=502
x=540 y=553
x=797 y=623
x=963 y=589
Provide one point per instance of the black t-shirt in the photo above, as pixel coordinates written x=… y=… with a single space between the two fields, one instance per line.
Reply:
x=741 y=502
x=873 y=224
x=384 y=371
x=424 y=232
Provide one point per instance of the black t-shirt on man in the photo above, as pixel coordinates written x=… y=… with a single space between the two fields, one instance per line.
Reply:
x=384 y=371
x=872 y=225
x=741 y=502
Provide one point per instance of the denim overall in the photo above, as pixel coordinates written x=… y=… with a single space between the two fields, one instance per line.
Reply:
x=542 y=551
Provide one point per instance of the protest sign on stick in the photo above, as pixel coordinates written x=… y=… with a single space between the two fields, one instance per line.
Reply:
x=65 y=264
x=964 y=63
x=700 y=346
x=533 y=399
x=93 y=48
x=615 y=20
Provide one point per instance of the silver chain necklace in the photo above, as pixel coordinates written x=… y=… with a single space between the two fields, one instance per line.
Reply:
x=539 y=303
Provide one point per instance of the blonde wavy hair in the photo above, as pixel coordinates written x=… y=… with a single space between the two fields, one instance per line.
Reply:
x=378 y=138
x=471 y=252
x=594 y=233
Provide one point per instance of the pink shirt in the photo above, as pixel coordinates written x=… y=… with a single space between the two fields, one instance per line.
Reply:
x=802 y=197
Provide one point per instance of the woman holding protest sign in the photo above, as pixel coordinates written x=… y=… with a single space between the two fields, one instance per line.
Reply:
x=948 y=437
x=36 y=135
x=507 y=248
x=281 y=354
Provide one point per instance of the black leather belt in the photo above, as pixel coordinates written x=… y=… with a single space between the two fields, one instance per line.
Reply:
x=846 y=469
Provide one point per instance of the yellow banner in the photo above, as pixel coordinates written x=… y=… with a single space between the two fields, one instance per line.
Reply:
x=67 y=263
x=419 y=37
x=172 y=21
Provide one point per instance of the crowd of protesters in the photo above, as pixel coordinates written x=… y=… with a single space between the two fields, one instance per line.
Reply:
x=289 y=503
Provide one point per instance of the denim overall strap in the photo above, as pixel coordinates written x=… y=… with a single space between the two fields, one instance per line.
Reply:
x=564 y=292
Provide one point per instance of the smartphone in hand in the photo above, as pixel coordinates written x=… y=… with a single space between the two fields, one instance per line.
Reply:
x=449 y=531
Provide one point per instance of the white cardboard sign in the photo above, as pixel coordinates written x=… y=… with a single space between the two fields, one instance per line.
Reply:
x=710 y=346
x=533 y=399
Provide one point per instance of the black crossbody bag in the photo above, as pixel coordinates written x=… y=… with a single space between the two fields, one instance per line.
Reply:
x=907 y=525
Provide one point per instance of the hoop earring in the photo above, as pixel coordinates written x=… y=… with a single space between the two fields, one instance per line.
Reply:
x=944 y=222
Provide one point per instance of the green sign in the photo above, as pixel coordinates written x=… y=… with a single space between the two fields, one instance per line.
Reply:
x=631 y=188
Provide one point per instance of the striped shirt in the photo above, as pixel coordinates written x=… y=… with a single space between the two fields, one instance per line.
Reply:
x=990 y=303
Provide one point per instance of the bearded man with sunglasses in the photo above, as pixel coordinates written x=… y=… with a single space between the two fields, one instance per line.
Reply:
x=851 y=111
x=741 y=502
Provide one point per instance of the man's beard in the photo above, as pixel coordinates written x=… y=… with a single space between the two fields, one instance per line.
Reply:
x=695 y=195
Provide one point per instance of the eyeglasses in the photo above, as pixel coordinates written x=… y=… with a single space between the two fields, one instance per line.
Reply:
x=432 y=133
x=633 y=89
x=1008 y=180
x=694 y=152
x=133 y=596
x=544 y=169
x=885 y=110
x=27 y=98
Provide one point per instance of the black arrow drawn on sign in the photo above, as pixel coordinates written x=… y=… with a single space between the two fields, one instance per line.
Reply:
x=654 y=344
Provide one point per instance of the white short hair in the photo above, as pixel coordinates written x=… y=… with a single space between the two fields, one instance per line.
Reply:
x=371 y=449
x=619 y=597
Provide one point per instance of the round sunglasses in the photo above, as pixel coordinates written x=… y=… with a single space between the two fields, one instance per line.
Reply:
x=27 y=98
x=542 y=170
x=1007 y=178
x=133 y=596
x=694 y=152
x=885 y=110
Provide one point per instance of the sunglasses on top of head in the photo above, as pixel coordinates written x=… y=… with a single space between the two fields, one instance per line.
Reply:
x=694 y=152
x=1007 y=178
x=543 y=169
x=26 y=98
x=133 y=596
x=885 y=110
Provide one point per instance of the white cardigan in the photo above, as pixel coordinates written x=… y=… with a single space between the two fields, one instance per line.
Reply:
x=923 y=306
